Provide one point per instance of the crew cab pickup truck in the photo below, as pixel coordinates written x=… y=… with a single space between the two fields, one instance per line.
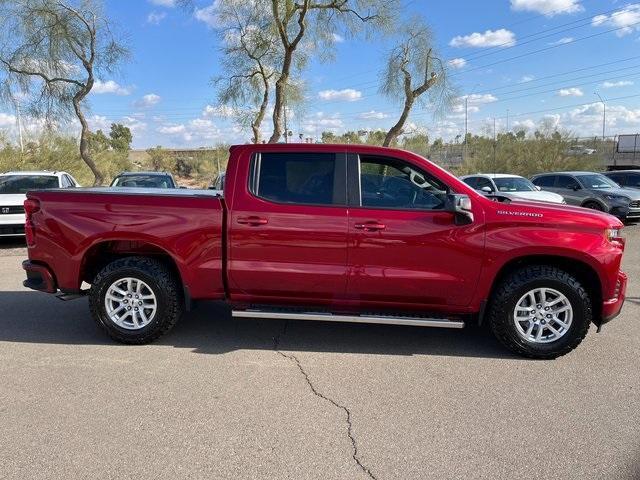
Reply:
x=344 y=233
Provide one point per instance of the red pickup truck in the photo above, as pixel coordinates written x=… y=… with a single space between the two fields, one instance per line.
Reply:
x=343 y=233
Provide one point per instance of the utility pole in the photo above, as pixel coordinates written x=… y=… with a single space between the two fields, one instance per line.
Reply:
x=19 y=119
x=495 y=145
x=507 y=120
x=604 y=115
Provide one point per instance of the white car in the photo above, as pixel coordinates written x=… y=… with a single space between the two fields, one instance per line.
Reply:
x=13 y=189
x=512 y=186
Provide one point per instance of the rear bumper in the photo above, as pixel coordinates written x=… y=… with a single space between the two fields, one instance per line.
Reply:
x=611 y=308
x=39 y=277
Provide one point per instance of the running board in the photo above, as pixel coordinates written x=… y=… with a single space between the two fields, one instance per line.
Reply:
x=328 y=317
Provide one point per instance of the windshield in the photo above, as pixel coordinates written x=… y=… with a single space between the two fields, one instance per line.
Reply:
x=23 y=183
x=597 y=182
x=143 y=181
x=515 y=184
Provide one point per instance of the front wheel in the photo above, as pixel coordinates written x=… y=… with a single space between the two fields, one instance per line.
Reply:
x=594 y=206
x=540 y=312
x=135 y=299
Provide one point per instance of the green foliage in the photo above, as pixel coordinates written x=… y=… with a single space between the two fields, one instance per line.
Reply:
x=120 y=137
x=57 y=152
x=159 y=159
x=526 y=156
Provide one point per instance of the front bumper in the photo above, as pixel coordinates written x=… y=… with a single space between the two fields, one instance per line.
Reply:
x=625 y=212
x=39 y=277
x=611 y=308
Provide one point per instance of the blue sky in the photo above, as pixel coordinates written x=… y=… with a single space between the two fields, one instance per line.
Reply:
x=164 y=92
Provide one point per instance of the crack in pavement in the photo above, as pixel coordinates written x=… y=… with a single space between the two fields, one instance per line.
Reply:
x=293 y=358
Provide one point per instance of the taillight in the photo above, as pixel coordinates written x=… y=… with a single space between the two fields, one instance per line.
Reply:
x=31 y=206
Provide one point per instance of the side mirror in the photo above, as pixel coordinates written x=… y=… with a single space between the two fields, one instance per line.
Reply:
x=575 y=187
x=538 y=188
x=487 y=189
x=461 y=207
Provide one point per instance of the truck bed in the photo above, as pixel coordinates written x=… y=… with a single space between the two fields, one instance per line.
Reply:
x=183 y=226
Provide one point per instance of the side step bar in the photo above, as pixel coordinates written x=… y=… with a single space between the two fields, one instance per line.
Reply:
x=328 y=317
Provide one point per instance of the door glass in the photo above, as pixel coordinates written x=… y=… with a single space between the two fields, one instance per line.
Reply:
x=484 y=182
x=391 y=183
x=567 y=182
x=471 y=181
x=546 y=181
x=302 y=178
x=634 y=180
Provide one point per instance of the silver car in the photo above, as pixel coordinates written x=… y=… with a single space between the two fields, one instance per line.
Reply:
x=592 y=190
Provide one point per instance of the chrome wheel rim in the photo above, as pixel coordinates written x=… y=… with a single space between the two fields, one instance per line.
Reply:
x=543 y=315
x=130 y=303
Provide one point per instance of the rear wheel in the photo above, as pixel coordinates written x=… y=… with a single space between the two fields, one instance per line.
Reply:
x=594 y=206
x=135 y=299
x=540 y=312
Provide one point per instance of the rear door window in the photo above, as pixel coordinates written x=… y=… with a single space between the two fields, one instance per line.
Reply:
x=567 y=182
x=633 y=180
x=299 y=178
x=471 y=181
x=546 y=181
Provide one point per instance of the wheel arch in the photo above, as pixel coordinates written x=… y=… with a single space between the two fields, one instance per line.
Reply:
x=581 y=270
x=597 y=200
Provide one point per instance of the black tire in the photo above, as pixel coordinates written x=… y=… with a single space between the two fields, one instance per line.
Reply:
x=517 y=284
x=594 y=206
x=161 y=281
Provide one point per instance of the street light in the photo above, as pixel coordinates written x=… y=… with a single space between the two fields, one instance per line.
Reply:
x=604 y=115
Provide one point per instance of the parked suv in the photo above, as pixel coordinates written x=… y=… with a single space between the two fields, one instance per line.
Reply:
x=511 y=186
x=625 y=178
x=13 y=189
x=592 y=190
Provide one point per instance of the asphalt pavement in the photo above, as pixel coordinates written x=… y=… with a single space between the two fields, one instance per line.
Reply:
x=221 y=398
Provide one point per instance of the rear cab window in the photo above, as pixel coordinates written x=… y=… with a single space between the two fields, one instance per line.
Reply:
x=298 y=178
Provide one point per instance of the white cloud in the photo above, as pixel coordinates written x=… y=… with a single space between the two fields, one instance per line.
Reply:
x=525 y=125
x=527 y=78
x=110 y=86
x=208 y=15
x=621 y=83
x=223 y=111
x=346 y=95
x=7 y=120
x=372 y=115
x=154 y=18
x=626 y=19
x=457 y=63
x=490 y=38
x=99 y=122
x=570 y=92
x=134 y=124
x=547 y=7
x=172 y=129
x=337 y=38
x=319 y=122
x=479 y=99
x=148 y=100
x=164 y=3
x=562 y=41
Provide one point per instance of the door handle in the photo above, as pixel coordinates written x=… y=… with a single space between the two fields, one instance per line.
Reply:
x=252 y=221
x=370 y=226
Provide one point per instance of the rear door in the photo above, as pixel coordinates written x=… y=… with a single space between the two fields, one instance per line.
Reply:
x=569 y=187
x=287 y=229
x=405 y=250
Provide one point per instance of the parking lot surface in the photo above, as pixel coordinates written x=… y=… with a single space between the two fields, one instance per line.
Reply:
x=227 y=398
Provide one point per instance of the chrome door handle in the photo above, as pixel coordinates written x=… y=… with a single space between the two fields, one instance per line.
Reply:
x=252 y=221
x=371 y=226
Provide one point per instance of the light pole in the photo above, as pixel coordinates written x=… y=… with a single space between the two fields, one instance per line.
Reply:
x=604 y=115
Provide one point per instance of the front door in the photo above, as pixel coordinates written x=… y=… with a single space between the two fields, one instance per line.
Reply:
x=287 y=229
x=405 y=250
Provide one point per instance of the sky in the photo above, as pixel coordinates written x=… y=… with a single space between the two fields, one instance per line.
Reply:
x=528 y=64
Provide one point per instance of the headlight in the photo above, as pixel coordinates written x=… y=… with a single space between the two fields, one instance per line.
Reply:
x=614 y=235
x=617 y=198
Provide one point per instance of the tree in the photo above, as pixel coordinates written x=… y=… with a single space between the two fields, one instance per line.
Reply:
x=250 y=58
x=317 y=22
x=120 y=137
x=412 y=60
x=52 y=51
x=158 y=158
